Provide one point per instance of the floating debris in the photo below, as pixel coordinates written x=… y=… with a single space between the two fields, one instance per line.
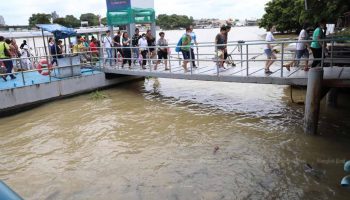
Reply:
x=216 y=148
x=97 y=95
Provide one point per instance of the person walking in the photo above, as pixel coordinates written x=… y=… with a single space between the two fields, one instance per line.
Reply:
x=56 y=51
x=126 y=50
x=25 y=59
x=193 y=42
x=162 y=44
x=228 y=29
x=186 y=48
x=316 y=44
x=16 y=52
x=302 y=47
x=220 y=45
x=117 y=45
x=271 y=57
x=5 y=57
x=108 y=44
x=143 y=45
x=135 y=43
x=151 y=41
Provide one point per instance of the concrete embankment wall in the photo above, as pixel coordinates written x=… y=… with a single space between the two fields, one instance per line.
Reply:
x=16 y=99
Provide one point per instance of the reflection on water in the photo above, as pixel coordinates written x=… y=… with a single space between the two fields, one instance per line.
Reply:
x=154 y=139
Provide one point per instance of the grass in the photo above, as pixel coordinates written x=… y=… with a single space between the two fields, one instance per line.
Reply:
x=98 y=95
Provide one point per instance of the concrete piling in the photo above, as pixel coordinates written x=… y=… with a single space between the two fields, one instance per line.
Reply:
x=313 y=99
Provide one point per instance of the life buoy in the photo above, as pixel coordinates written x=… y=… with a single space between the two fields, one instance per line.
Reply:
x=44 y=64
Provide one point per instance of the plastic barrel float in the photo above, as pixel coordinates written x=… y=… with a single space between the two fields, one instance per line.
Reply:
x=7 y=193
x=42 y=65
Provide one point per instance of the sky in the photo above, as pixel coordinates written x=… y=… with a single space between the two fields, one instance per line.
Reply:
x=17 y=12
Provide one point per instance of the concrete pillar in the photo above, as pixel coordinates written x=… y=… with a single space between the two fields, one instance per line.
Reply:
x=313 y=99
x=332 y=97
x=131 y=29
x=154 y=29
x=110 y=28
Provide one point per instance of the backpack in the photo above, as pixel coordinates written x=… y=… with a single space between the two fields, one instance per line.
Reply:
x=178 y=46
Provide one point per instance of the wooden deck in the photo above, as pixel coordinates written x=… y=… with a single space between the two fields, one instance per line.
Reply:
x=333 y=76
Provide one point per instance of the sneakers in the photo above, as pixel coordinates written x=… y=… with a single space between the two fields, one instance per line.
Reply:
x=267 y=71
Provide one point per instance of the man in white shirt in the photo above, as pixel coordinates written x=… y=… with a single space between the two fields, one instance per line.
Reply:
x=268 y=49
x=143 y=48
x=302 y=47
x=108 y=44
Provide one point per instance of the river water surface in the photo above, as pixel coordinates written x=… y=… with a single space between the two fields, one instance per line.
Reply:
x=176 y=139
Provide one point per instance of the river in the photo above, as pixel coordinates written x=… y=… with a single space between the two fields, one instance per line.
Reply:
x=177 y=139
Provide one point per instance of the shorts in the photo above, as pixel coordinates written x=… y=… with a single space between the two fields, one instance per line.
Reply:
x=162 y=55
x=302 y=54
x=186 y=54
x=268 y=53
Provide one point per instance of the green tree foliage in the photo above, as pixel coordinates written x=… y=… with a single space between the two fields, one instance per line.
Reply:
x=91 y=18
x=173 y=21
x=290 y=15
x=68 y=21
x=104 y=21
x=72 y=21
x=39 y=18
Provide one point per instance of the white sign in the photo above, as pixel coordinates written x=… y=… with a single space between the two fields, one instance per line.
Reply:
x=142 y=3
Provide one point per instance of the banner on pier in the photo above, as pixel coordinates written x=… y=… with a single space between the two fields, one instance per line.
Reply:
x=118 y=5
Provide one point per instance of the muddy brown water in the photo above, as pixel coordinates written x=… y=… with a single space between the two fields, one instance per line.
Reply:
x=176 y=139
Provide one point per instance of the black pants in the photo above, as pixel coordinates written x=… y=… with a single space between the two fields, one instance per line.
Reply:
x=127 y=56
x=317 y=52
x=9 y=65
x=193 y=58
x=144 y=56
x=116 y=53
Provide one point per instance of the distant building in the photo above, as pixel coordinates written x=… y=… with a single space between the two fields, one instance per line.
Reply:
x=2 y=21
x=251 y=22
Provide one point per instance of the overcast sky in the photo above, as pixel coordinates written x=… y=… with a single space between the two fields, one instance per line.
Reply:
x=17 y=12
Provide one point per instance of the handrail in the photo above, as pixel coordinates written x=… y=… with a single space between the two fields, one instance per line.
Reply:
x=244 y=55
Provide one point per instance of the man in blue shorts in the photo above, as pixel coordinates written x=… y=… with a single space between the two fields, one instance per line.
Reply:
x=186 y=47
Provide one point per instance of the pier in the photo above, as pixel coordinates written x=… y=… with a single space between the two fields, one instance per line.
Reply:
x=248 y=69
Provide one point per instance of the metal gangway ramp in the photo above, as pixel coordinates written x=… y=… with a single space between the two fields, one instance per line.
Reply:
x=249 y=61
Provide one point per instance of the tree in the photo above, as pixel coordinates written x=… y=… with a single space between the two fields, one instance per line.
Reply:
x=173 y=21
x=290 y=15
x=72 y=21
x=104 y=21
x=60 y=20
x=91 y=18
x=69 y=21
x=39 y=18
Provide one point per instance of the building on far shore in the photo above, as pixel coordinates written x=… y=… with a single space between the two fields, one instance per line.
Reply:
x=2 y=21
x=251 y=22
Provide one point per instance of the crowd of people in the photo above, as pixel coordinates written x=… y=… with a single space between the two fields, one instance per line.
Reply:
x=303 y=47
x=144 y=48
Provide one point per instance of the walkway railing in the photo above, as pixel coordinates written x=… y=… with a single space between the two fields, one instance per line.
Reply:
x=248 y=57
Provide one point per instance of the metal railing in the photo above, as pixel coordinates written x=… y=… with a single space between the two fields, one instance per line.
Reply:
x=244 y=53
